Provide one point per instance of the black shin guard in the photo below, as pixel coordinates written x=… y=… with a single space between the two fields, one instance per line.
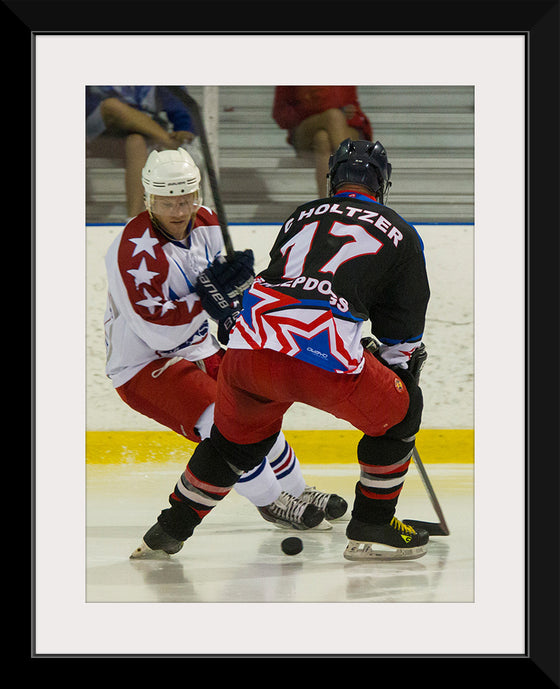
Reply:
x=179 y=520
x=384 y=460
x=212 y=471
x=384 y=463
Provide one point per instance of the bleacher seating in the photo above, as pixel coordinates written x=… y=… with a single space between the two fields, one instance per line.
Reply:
x=428 y=132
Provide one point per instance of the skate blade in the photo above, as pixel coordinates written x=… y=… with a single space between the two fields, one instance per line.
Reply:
x=359 y=551
x=143 y=552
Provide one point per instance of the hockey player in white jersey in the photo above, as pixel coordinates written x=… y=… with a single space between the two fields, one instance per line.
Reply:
x=166 y=276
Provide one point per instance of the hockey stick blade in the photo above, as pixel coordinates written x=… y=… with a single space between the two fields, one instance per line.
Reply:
x=194 y=108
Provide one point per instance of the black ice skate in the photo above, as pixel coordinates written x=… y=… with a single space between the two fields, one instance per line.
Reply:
x=288 y=512
x=156 y=544
x=332 y=505
x=393 y=541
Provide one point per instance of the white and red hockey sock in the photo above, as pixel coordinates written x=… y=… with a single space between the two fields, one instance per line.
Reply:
x=279 y=471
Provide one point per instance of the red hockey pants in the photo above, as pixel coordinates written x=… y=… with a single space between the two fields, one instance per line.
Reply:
x=257 y=387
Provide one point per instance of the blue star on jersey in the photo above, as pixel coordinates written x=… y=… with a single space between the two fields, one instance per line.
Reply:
x=316 y=350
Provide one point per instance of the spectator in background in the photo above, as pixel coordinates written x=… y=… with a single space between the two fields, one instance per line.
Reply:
x=129 y=122
x=318 y=118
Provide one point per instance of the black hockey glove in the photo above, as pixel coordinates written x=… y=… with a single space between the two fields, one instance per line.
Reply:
x=222 y=281
x=417 y=361
x=371 y=344
x=410 y=376
x=226 y=324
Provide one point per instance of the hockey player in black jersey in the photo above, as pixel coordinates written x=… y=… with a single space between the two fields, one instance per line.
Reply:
x=337 y=263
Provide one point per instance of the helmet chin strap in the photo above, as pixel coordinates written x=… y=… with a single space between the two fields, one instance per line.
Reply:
x=384 y=195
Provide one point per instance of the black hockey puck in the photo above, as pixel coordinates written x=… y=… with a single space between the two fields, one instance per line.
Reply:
x=292 y=545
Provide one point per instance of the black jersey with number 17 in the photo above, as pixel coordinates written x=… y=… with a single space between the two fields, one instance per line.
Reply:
x=336 y=263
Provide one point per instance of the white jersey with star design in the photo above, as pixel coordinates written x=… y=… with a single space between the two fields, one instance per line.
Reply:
x=153 y=311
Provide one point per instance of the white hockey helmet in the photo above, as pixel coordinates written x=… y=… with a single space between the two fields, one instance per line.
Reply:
x=170 y=173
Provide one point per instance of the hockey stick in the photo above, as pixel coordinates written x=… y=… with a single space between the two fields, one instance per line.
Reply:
x=372 y=344
x=190 y=103
x=434 y=529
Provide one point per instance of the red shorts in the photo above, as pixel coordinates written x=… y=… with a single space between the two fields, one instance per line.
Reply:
x=257 y=387
x=177 y=396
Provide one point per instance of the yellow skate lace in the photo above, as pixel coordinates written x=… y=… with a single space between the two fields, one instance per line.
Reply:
x=399 y=526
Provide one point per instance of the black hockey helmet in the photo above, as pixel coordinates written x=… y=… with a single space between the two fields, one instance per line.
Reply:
x=361 y=162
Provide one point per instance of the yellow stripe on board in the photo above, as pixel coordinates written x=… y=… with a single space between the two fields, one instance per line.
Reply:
x=449 y=446
x=311 y=447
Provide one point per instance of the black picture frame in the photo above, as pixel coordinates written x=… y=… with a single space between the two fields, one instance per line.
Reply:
x=539 y=22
